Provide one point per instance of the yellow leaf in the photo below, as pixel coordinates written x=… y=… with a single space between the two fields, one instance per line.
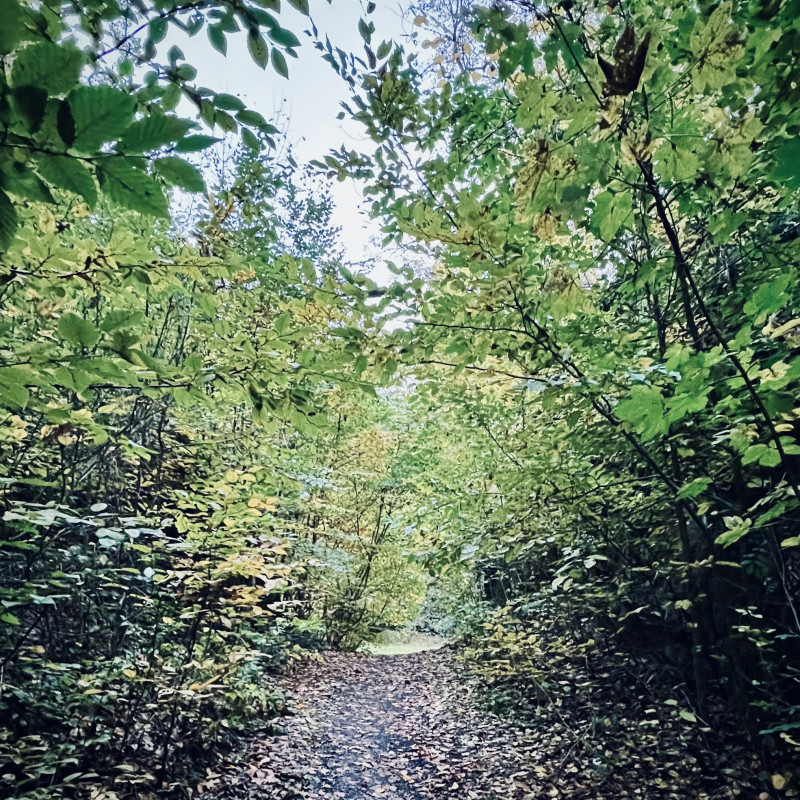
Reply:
x=785 y=328
x=229 y=522
x=231 y=476
x=129 y=673
x=253 y=502
x=47 y=222
x=420 y=19
x=778 y=781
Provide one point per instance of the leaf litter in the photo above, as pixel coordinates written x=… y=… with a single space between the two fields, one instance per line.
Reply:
x=413 y=727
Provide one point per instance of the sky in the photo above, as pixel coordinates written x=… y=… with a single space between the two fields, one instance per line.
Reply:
x=310 y=99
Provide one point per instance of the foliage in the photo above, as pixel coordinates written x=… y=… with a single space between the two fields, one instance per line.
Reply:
x=357 y=493
x=150 y=379
x=219 y=441
x=60 y=134
x=149 y=585
x=610 y=205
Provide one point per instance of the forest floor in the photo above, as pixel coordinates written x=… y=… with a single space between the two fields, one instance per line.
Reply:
x=410 y=727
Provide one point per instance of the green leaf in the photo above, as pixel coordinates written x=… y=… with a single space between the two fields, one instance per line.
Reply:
x=132 y=188
x=737 y=528
x=8 y=221
x=118 y=319
x=786 y=172
x=768 y=298
x=307 y=269
x=178 y=172
x=696 y=487
x=228 y=102
x=252 y=118
x=754 y=453
x=216 y=35
x=792 y=541
x=610 y=211
x=174 y=55
x=55 y=68
x=25 y=183
x=101 y=114
x=13 y=391
x=680 y=405
x=153 y=132
x=76 y=330
x=12 y=29
x=66 y=172
x=249 y=138
x=283 y=37
x=300 y=5
x=31 y=102
x=191 y=144
x=157 y=30
x=258 y=48
x=186 y=72
x=225 y=121
x=279 y=63
x=645 y=409
x=771 y=458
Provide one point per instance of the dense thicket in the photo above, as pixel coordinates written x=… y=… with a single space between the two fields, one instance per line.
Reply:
x=586 y=427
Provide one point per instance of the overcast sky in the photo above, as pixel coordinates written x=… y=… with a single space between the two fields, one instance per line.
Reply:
x=311 y=97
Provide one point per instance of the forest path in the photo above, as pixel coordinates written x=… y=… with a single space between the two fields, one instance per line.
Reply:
x=394 y=727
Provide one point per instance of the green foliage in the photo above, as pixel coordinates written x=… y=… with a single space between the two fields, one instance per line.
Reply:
x=357 y=495
x=151 y=580
x=612 y=312
x=202 y=462
x=58 y=132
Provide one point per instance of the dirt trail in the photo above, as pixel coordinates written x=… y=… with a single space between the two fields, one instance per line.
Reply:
x=369 y=726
